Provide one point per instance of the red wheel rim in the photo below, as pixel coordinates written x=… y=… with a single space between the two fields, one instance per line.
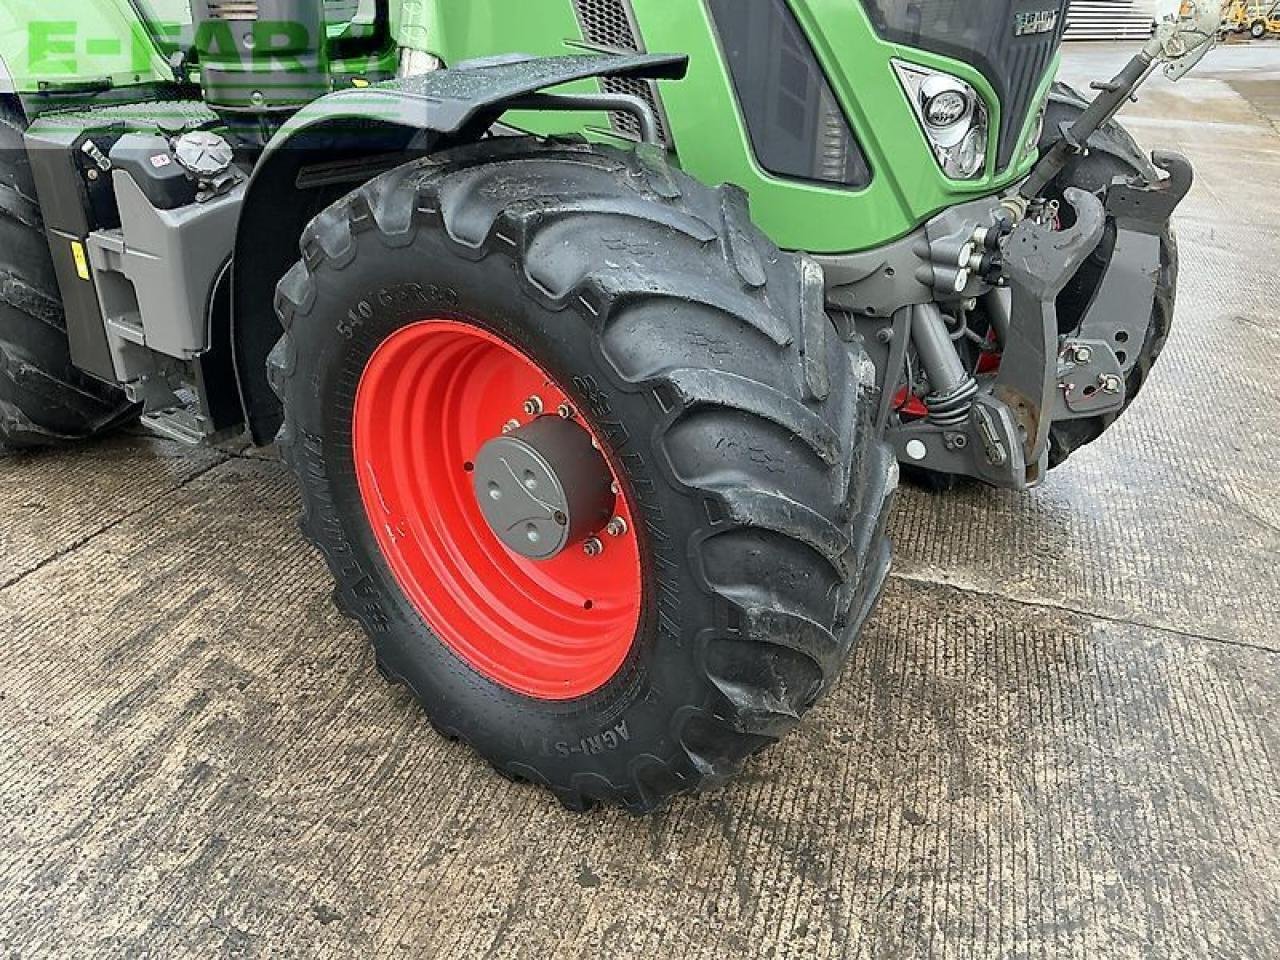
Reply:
x=430 y=397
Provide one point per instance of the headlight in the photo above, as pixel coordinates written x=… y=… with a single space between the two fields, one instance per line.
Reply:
x=953 y=117
x=946 y=108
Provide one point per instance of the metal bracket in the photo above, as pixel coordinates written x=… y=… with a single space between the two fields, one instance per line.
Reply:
x=650 y=132
x=988 y=446
x=1089 y=380
x=1120 y=313
x=1038 y=263
x=896 y=340
x=1147 y=207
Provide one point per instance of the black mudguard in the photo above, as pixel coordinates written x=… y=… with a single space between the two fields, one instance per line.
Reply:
x=341 y=141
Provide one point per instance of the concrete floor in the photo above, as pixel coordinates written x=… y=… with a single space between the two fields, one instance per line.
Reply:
x=1058 y=738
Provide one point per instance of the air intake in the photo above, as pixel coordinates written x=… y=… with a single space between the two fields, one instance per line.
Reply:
x=260 y=59
x=610 y=25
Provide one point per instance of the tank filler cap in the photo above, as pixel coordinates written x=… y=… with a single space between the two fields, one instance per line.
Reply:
x=203 y=154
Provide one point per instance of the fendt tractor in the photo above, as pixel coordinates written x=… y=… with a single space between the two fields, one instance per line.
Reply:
x=594 y=331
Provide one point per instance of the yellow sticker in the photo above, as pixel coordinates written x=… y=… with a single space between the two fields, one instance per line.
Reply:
x=359 y=82
x=82 y=261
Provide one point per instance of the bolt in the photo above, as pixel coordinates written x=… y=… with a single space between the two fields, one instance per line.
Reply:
x=916 y=449
x=533 y=406
x=885 y=334
x=510 y=425
x=1110 y=383
x=92 y=174
x=565 y=412
x=617 y=527
x=1083 y=354
x=617 y=491
x=592 y=547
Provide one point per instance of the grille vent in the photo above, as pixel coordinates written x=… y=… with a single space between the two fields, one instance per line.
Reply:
x=1111 y=19
x=609 y=24
x=233 y=9
x=1024 y=65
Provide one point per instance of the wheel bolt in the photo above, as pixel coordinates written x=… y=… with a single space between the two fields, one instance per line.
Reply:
x=510 y=426
x=565 y=411
x=533 y=406
x=592 y=547
x=617 y=527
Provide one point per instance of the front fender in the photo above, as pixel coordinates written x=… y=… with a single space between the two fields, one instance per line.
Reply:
x=341 y=141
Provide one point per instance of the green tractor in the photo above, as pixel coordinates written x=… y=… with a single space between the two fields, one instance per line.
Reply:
x=595 y=331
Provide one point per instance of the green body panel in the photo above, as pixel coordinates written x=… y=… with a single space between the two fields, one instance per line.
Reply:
x=63 y=42
x=907 y=186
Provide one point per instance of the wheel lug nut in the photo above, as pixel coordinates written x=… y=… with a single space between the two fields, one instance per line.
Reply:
x=617 y=527
x=592 y=547
x=510 y=425
x=565 y=412
x=533 y=406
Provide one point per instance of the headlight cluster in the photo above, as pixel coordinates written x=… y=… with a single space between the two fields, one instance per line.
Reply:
x=953 y=117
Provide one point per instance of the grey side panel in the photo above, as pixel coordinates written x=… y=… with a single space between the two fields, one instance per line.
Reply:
x=156 y=275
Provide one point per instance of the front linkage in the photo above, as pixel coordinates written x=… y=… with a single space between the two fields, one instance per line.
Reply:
x=996 y=283
x=982 y=283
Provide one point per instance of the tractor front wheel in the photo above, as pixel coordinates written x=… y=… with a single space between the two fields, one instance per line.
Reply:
x=588 y=460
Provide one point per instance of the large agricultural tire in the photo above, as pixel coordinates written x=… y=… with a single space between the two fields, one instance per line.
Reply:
x=44 y=399
x=736 y=424
x=1112 y=153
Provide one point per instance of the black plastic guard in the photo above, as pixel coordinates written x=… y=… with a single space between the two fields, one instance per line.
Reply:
x=333 y=145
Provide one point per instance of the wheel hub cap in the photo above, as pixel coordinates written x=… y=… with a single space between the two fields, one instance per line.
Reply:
x=543 y=487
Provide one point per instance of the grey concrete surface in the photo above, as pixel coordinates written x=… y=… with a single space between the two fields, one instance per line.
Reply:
x=1057 y=739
